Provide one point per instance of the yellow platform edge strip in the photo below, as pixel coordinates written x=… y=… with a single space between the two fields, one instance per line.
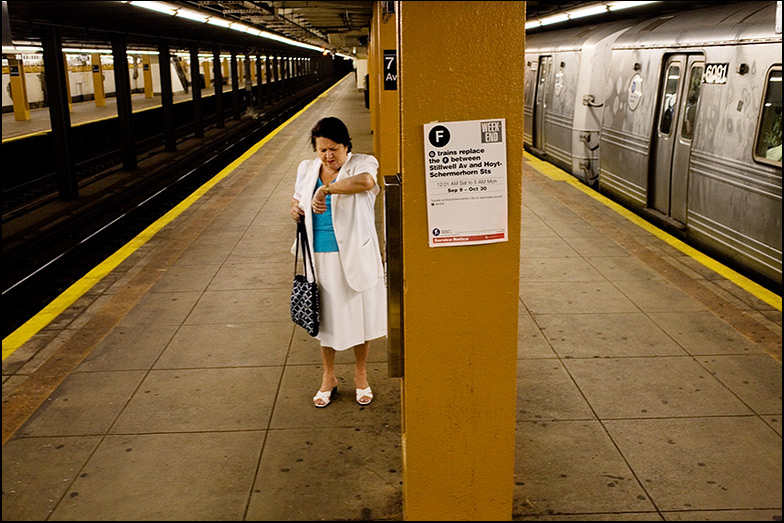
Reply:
x=554 y=173
x=30 y=328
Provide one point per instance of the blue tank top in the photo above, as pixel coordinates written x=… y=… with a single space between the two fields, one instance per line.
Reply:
x=323 y=233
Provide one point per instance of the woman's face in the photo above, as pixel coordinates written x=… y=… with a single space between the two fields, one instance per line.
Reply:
x=332 y=155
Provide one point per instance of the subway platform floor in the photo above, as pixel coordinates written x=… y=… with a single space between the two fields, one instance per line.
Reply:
x=177 y=388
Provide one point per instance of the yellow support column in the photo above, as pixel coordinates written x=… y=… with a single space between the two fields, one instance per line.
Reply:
x=147 y=74
x=207 y=68
x=388 y=121
x=373 y=76
x=98 y=90
x=226 y=73
x=67 y=83
x=460 y=303
x=18 y=89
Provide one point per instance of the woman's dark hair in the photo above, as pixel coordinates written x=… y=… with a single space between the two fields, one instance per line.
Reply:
x=332 y=128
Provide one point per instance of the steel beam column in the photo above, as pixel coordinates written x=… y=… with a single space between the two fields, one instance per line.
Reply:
x=216 y=65
x=122 y=83
x=235 y=87
x=259 y=92
x=60 y=118
x=198 y=124
x=167 y=98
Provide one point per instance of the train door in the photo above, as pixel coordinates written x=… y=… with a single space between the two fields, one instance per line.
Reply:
x=540 y=100
x=676 y=117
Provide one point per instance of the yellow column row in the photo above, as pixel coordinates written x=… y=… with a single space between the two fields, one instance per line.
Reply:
x=388 y=123
x=18 y=89
x=18 y=83
x=68 y=84
x=207 y=68
x=98 y=90
x=147 y=75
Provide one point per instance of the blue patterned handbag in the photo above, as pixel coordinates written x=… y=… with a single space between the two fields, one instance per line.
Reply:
x=304 y=294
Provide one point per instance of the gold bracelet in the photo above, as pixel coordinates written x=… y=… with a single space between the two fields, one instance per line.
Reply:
x=326 y=189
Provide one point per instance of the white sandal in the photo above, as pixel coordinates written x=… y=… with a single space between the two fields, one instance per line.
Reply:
x=364 y=393
x=325 y=396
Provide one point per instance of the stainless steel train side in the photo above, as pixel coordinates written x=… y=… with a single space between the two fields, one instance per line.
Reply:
x=681 y=126
x=690 y=129
x=564 y=95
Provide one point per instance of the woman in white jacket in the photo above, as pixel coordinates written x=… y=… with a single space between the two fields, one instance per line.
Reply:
x=335 y=195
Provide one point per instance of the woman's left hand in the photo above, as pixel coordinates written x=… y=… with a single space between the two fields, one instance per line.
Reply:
x=319 y=201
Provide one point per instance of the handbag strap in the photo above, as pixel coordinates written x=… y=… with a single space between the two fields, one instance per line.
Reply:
x=306 y=257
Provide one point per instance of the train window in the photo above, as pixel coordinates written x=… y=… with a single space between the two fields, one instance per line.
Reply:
x=768 y=148
x=669 y=98
x=690 y=107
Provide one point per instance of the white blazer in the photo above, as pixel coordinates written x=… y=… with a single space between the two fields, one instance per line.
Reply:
x=353 y=218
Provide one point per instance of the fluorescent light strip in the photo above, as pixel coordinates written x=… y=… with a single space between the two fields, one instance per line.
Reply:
x=214 y=20
x=22 y=49
x=588 y=11
x=72 y=50
x=75 y=50
x=617 y=6
x=581 y=12
x=192 y=15
x=561 y=17
x=163 y=7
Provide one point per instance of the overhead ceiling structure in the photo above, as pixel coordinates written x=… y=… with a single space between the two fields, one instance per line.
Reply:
x=337 y=26
x=83 y=23
x=344 y=26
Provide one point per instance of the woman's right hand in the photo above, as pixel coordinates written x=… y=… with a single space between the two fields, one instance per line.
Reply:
x=296 y=210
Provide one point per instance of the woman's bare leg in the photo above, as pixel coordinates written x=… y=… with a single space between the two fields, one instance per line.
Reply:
x=328 y=379
x=361 y=352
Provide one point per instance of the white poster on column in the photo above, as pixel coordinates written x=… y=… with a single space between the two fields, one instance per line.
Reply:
x=465 y=166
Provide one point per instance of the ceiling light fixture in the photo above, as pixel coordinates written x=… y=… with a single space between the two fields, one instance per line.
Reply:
x=170 y=9
x=580 y=12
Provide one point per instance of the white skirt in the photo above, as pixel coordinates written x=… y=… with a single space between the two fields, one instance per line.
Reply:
x=348 y=318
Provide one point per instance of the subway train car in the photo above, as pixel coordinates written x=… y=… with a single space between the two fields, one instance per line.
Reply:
x=677 y=117
x=564 y=95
